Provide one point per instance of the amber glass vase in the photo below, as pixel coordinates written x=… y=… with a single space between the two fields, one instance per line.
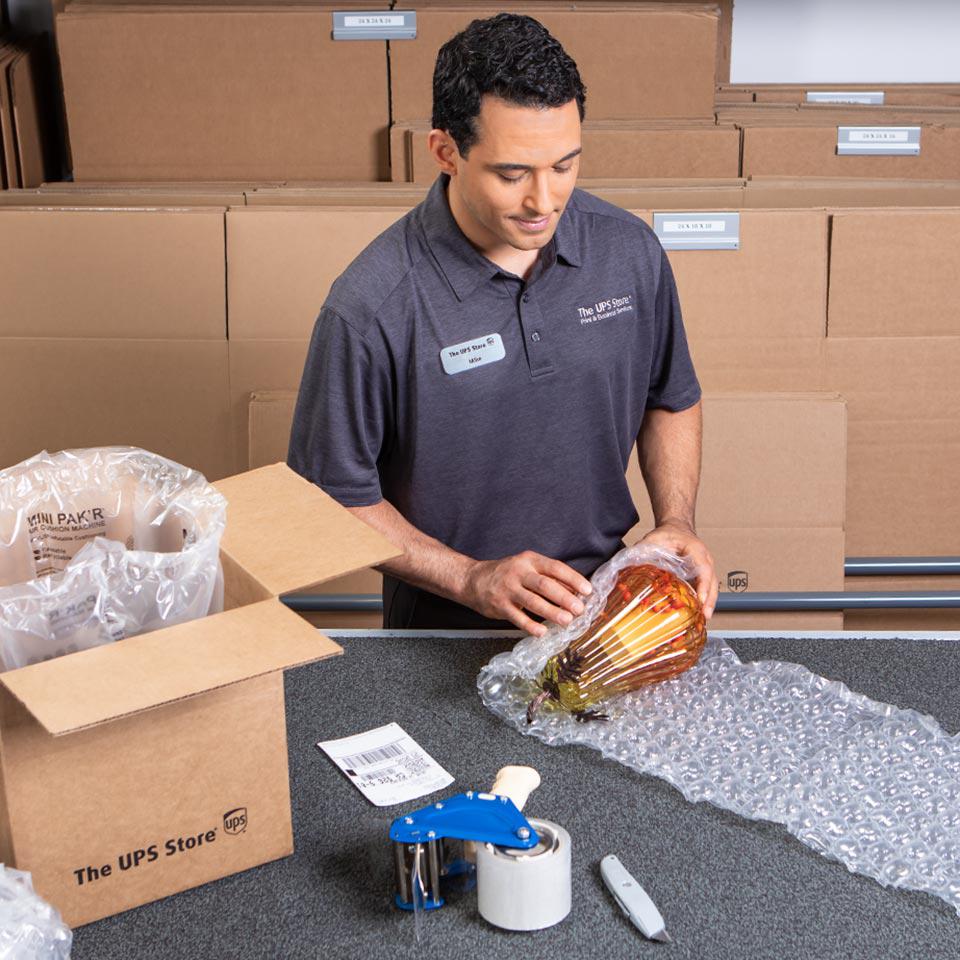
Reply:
x=651 y=628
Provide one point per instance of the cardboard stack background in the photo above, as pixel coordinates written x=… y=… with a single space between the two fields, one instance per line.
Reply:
x=211 y=91
x=28 y=153
x=114 y=331
x=842 y=283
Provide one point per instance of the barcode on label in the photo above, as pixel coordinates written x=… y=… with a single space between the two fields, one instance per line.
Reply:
x=389 y=751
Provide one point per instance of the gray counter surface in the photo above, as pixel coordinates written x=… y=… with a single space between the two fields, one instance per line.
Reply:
x=727 y=887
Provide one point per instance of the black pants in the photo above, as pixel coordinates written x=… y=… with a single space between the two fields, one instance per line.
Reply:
x=407 y=607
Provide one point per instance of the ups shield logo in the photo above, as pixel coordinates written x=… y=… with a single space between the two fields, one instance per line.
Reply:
x=235 y=821
x=737 y=581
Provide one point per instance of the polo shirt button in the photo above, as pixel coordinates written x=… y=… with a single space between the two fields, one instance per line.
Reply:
x=526 y=297
x=535 y=336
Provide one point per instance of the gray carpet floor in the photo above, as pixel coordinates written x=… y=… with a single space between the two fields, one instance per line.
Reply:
x=727 y=887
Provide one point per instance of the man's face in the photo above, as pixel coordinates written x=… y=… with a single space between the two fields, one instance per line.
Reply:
x=517 y=178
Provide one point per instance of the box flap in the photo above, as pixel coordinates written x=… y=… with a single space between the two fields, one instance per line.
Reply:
x=120 y=679
x=288 y=534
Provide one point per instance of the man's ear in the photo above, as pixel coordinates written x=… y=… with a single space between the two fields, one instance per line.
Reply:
x=443 y=150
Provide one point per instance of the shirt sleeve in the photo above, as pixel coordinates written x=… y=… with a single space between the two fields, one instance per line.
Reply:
x=342 y=414
x=673 y=381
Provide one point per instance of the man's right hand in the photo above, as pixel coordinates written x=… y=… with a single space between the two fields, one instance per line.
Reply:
x=528 y=582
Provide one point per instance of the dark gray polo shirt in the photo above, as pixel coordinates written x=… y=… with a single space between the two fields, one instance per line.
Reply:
x=496 y=415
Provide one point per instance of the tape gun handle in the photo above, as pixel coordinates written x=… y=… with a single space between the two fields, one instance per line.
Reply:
x=517 y=783
x=514 y=782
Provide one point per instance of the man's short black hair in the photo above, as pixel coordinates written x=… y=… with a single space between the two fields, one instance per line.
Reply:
x=509 y=56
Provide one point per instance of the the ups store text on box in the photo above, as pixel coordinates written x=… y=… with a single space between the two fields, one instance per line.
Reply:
x=141 y=768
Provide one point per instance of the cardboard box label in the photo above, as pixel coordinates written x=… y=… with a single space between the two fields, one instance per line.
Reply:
x=698 y=231
x=872 y=97
x=375 y=25
x=878 y=141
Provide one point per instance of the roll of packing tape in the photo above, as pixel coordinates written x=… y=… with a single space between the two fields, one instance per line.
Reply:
x=526 y=889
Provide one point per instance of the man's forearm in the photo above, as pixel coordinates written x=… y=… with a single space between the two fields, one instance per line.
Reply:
x=510 y=588
x=669 y=447
x=426 y=562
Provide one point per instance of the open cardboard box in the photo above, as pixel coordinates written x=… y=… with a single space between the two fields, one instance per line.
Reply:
x=139 y=769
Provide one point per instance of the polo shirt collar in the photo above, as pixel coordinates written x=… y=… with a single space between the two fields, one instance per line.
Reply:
x=463 y=266
x=565 y=239
x=460 y=263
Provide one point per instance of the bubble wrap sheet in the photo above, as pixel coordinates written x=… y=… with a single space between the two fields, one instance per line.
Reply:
x=30 y=929
x=866 y=783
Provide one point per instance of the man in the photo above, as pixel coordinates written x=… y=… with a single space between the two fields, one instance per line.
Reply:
x=479 y=374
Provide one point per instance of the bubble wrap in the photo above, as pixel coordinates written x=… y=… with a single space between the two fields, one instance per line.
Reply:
x=30 y=929
x=866 y=783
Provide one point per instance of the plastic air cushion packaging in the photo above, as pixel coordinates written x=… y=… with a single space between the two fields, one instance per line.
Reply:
x=30 y=929
x=97 y=545
x=868 y=784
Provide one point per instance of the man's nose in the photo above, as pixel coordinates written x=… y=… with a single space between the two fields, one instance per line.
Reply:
x=538 y=198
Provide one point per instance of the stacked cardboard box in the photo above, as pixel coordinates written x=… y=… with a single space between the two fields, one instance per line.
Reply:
x=611 y=149
x=802 y=141
x=609 y=42
x=832 y=193
x=270 y=414
x=114 y=332
x=632 y=128
x=221 y=92
x=769 y=529
x=26 y=147
x=766 y=334
x=280 y=267
x=535 y=8
x=690 y=194
x=810 y=150
x=756 y=316
x=896 y=94
x=890 y=347
x=893 y=350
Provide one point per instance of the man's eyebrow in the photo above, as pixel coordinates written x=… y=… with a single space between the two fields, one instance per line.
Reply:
x=525 y=166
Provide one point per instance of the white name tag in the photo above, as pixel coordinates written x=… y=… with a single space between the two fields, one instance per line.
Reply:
x=472 y=353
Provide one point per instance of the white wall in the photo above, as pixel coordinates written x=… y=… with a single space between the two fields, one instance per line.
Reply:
x=856 y=41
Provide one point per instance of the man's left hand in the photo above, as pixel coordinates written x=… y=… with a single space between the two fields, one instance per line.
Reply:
x=681 y=539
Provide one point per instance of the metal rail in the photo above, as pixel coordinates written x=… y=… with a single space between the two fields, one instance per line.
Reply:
x=841 y=600
x=901 y=566
x=816 y=600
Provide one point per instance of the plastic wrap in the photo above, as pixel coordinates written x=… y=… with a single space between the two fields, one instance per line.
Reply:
x=868 y=784
x=98 y=545
x=650 y=627
x=30 y=929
